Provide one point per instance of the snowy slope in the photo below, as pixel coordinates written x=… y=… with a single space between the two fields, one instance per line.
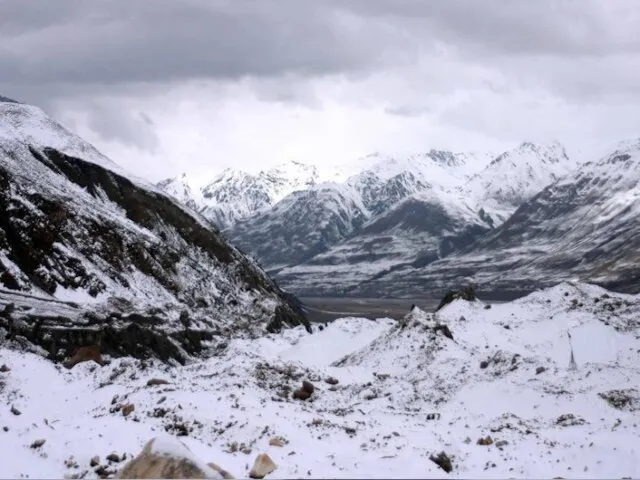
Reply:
x=506 y=374
x=517 y=175
x=583 y=226
x=74 y=229
x=301 y=225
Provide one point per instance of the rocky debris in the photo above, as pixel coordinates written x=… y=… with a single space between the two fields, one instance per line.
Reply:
x=277 y=442
x=501 y=362
x=486 y=441
x=484 y=364
x=443 y=461
x=332 y=381
x=4 y=369
x=71 y=462
x=466 y=293
x=171 y=459
x=262 y=466
x=156 y=381
x=540 y=370
x=94 y=462
x=103 y=471
x=501 y=443
x=85 y=354
x=38 y=443
x=305 y=392
x=569 y=420
x=627 y=399
x=15 y=411
x=127 y=409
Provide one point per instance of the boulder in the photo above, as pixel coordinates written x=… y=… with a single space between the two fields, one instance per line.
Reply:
x=167 y=457
x=262 y=466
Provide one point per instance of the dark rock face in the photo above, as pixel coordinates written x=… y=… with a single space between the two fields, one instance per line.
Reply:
x=466 y=293
x=158 y=280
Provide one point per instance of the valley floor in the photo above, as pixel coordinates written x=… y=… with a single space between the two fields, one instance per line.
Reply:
x=507 y=374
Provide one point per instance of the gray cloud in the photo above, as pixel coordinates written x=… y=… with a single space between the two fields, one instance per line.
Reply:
x=409 y=58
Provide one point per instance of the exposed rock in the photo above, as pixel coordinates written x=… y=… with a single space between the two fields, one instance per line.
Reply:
x=484 y=364
x=95 y=461
x=305 y=392
x=262 y=466
x=169 y=458
x=85 y=354
x=486 y=441
x=332 y=381
x=501 y=443
x=540 y=370
x=443 y=461
x=276 y=442
x=156 y=381
x=114 y=457
x=445 y=331
x=225 y=475
x=15 y=411
x=4 y=369
x=127 y=409
x=466 y=293
x=569 y=420
x=38 y=443
x=628 y=399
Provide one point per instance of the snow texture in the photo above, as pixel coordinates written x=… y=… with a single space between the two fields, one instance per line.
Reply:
x=506 y=374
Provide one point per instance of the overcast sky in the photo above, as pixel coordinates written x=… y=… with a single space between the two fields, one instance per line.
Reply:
x=165 y=86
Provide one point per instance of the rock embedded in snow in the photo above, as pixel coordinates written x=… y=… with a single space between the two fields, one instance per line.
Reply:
x=262 y=466
x=305 y=392
x=166 y=457
x=85 y=354
x=466 y=293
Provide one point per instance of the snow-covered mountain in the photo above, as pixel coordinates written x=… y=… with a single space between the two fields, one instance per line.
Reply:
x=141 y=271
x=583 y=226
x=543 y=387
x=517 y=175
x=423 y=208
x=234 y=194
x=301 y=225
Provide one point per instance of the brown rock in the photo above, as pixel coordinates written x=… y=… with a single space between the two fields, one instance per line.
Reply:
x=262 y=467
x=276 y=442
x=156 y=381
x=305 y=392
x=485 y=441
x=127 y=409
x=177 y=461
x=85 y=354
x=226 y=475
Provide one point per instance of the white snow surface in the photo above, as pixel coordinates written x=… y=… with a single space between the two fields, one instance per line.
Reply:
x=373 y=423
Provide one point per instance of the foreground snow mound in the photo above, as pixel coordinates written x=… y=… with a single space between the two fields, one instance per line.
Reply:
x=502 y=398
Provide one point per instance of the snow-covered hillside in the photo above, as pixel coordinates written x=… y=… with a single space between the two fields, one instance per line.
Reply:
x=301 y=225
x=144 y=272
x=543 y=387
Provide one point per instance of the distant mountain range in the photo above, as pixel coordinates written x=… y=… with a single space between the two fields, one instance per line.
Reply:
x=412 y=226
